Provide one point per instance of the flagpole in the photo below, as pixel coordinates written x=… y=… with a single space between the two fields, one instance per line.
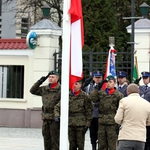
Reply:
x=65 y=77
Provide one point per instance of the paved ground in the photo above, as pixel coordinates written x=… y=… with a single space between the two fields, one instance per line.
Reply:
x=26 y=139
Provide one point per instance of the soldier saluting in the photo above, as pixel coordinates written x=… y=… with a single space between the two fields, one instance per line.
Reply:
x=50 y=94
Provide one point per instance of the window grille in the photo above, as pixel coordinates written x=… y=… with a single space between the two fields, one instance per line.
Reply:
x=11 y=81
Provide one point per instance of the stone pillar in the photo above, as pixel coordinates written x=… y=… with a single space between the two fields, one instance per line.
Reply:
x=43 y=60
x=142 y=44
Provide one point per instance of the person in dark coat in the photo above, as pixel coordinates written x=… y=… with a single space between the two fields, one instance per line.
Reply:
x=97 y=78
x=145 y=93
x=122 y=87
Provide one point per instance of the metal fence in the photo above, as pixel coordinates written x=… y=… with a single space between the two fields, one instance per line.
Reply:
x=93 y=61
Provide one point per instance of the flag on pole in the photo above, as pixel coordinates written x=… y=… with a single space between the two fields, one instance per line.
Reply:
x=110 y=65
x=135 y=70
x=77 y=42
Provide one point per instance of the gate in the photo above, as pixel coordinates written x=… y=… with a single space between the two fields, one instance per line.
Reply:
x=93 y=61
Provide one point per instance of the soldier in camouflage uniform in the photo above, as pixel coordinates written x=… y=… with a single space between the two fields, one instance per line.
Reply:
x=80 y=115
x=50 y=97
x=109 y=101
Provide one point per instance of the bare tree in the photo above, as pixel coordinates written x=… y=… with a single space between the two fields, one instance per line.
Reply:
x=32 y=8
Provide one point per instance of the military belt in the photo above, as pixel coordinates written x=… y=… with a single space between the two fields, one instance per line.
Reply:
x=76 y=114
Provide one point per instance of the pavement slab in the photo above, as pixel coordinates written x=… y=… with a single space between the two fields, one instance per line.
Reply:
x=26 y=139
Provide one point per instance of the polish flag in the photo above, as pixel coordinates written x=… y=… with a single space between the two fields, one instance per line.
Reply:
x=77 y=43
x=110 y=65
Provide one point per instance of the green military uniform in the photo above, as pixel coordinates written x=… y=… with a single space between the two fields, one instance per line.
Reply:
x=50 y=129
x=80 y=115
x=107 y=136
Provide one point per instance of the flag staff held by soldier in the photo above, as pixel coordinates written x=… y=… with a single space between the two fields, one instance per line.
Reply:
x=108 y=103
x=136 y=79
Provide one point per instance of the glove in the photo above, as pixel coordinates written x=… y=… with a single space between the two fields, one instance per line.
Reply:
x=100 y=84
x=137 y=80
x=85 y=128
x=118 y=128
x=86 y=83
x=57 y=119
x=43 y=78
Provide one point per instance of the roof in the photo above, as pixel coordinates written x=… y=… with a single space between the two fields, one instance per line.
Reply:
x=13 y=44
x=141 y=24
x=45 y=24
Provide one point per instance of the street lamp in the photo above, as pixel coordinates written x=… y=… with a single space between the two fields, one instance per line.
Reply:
x=144 y=9
x=46 y=11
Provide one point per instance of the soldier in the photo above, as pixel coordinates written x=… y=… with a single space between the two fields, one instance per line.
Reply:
x=80 y=115
x=50 y=97
x=97 y=78
x=108 y=104
x=145 y=93
x=122 y=87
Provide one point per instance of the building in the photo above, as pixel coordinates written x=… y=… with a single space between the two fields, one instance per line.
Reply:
x=20 y=68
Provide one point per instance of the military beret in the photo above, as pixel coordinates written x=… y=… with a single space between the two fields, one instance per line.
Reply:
x=145 y=74
x=53 y=72
x=97 y=74
x=80 y=81
x=110 y=77
x=122 y=74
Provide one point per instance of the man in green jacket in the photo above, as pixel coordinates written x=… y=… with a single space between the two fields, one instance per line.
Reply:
x=50 y=97
x=108 y=103
x=80 y=115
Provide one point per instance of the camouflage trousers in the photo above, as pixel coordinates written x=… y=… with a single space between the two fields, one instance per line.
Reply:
x=107 y=137
x=50 y=132
x=76 y=138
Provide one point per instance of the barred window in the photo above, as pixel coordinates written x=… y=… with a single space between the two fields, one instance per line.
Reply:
x=11 y=81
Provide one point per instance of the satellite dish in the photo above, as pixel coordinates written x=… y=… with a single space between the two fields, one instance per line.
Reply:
x=31 y=40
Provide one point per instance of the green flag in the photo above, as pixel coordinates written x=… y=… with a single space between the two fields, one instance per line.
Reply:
x=135 y=71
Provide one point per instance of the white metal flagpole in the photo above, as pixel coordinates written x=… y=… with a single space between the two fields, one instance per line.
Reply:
x=65 y=77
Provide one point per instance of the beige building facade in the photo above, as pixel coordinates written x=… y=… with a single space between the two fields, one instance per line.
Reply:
x=25 y=111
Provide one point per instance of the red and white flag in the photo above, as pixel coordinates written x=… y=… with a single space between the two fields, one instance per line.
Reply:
x=110 y=65
x=77 y=42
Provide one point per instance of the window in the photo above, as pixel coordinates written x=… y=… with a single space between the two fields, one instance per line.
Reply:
x=11 y=81
x=24 y=26
x=0 y=7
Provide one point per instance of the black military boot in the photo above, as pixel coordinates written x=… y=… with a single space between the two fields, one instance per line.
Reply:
x=93 y=146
